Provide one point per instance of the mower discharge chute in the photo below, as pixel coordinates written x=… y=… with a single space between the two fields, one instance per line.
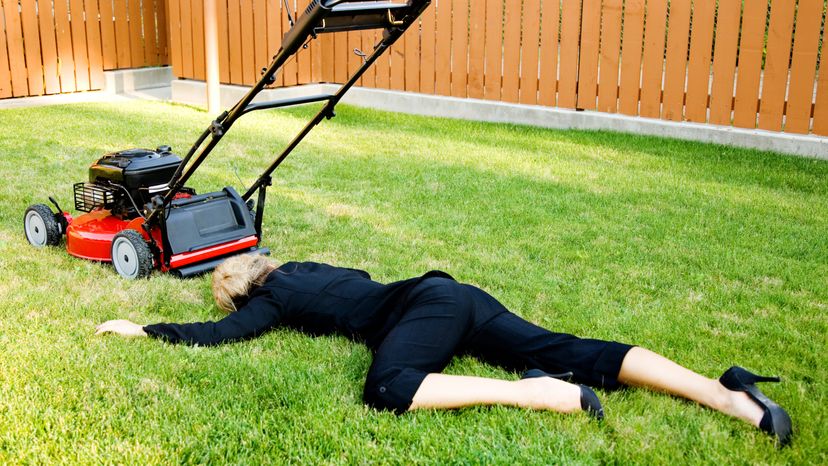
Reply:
x=138 y=213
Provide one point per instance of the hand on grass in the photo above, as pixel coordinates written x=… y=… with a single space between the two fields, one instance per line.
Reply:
x=121 y=327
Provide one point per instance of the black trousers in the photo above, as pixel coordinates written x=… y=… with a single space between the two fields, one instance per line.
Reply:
x=444 y=318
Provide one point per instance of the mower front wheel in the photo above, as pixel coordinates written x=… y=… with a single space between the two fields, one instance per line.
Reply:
x=41 y=226
x=131 y=255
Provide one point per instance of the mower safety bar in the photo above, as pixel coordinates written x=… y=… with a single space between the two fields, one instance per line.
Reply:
x=287 y=102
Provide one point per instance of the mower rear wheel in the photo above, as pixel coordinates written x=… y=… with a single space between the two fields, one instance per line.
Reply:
x=131 y=255
x=41 y=226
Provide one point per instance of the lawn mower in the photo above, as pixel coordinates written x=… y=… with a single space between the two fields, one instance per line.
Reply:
x=138 y=212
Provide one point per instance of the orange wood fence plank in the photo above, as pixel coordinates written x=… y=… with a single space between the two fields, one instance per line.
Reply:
x=442 y=59
x=148 y=21
x=369 y=79
x=290 y=70
x=412 y=59
x=186 y=13
x=64 y=44
x=724 y=62
x=427 y=48
x=93 y=40
x=570 y=26
x=383 y=75
x=121 y=32
x=397 y=63
x=327 y=44
x=163 y=32
x=110 y=53
x=48 y=47
x=274 y=32
x=260 y=34
x=510 y=91
x=775 y=78
x=248 y=48
x=14 y=42
x=79 y=45
x=494 y=49
x=477 y=51
x=530 y=52
x=676 y=61
x=633 y=30
x=303 y=58
x=549 y=52
x=136 y=41
x=354 y=61
x=316 y=58
x=234 y=40
x=175 y=37
x=31 y=36
x=803 y=66
x=341 y=57
x=653 y=71
x=224 y=41
x=588 y=61
x=610 y=56
x=751 y=52
x=821 y=106
x=5 y=73
x=701 y=52
x=459 y=48
x=199 y=67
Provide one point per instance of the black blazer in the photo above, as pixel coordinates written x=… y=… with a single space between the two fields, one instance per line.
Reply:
x=311 y=297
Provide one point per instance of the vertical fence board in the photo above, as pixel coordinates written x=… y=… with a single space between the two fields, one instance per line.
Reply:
x=610 y=54
x=549 y=52
x=510 y=91
x=477 y=51
x=370 y=77
x=327 y=44
x=110 y=52
x=79 y=45
x=162 y=27
x=442 y=59
x=397 y=63
x=199 y=71
x=530 y=52
x=234 y=40
x=260 y=44
x=821 y=106
x=652 y=75
x=274 y=34
x=136 y=46
x=187 y=38
x=290 y=69
x=5 y=73
x=383 y=76
x=570 y=29
x=14 y=42
x=303 y=58
x=31 y=36
x=93 y=41
x=751 y=52
x=64 y=44
x=48 y=47
x=412 y=59
x=223 y=44
x=175 y=37
x=148 y=21
x=493 y=49
x=459 y=48
x=588 y=61
x=631 y=46
x=775 y=78
x=803 y=66
x=341 y=57
x=122 y=30
x=701 y=52
x=676 y=62
x=427 y=51
x=724 y=62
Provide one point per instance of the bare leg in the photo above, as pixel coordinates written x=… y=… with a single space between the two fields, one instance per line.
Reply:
x=643 y=368
x=441 y=391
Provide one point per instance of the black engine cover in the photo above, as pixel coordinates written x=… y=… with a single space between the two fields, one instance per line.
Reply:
x=136 y=168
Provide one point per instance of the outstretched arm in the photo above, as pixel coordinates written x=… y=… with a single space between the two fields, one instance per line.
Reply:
x=260 y=314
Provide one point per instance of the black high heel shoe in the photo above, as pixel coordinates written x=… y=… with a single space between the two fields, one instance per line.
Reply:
x=589 y=400
x=775 y=421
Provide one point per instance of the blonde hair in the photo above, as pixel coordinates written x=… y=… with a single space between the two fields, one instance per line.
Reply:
x=237 y=277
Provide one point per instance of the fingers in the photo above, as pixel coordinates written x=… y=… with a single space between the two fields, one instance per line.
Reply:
x=109 y=326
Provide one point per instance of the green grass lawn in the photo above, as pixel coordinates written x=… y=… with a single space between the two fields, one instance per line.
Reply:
x=712 y=256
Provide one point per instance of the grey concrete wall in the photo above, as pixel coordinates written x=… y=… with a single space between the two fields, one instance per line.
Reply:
x=194 y=93
x=125 y=81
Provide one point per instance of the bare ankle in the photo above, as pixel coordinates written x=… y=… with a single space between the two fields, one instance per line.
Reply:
x=550 y=394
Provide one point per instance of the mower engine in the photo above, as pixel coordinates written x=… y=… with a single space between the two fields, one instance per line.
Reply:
x=195 y=234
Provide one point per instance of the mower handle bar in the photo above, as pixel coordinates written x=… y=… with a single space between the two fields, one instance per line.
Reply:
x=321 y=16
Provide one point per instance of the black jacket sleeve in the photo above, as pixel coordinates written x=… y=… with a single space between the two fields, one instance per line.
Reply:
x=261 y=313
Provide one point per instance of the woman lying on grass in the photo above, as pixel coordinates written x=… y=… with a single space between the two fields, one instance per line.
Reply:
x=414 y=327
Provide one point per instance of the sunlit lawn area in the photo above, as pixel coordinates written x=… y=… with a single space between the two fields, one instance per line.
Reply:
x=712 y=256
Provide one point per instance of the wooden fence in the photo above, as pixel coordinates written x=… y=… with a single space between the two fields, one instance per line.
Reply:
x=54 y=46
x=746 y=63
